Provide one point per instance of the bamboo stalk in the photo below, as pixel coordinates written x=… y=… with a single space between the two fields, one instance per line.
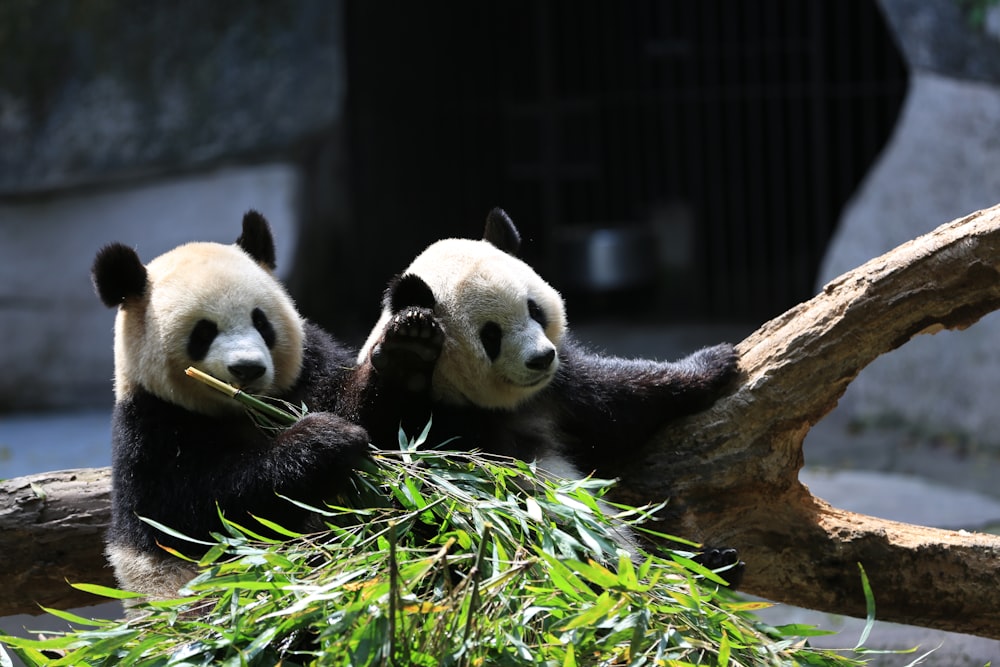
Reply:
x=251 y=402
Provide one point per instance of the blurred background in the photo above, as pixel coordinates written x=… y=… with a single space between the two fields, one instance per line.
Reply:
x=666 y=161
x=681 y=170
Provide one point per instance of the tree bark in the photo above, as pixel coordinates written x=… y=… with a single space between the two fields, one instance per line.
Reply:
x=731 y=472
x=52 y=529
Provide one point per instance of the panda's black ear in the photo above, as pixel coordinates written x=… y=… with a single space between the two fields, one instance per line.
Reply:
x=118 y=275
x=406 y=291
x=256 y=239
x=501 y=232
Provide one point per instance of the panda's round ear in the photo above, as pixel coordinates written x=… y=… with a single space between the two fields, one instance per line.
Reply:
x=501 y=232
x=118 y=275
x=256 y=239
x=406 y=291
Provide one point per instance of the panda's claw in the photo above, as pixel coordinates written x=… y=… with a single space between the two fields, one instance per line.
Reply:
x=409 y=349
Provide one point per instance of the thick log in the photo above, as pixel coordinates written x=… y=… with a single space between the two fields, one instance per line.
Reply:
x=731 y=472
x=52 y=529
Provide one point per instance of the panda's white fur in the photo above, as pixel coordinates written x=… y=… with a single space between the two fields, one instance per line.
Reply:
x=476 y=283
x=215 y=283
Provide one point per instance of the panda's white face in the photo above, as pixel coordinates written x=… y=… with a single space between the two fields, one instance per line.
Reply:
x=503 y=324
x=209 y=306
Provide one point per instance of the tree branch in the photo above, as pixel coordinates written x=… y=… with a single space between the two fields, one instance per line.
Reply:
x=52 y=529
x=731 y=472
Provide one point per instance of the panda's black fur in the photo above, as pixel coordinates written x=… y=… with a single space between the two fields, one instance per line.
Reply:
x=586 y=417
x=180 y=453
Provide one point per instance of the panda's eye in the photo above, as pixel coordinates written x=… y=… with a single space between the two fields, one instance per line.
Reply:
x=263 y=327
x=535 y=312
x=202 y=335
x=490 y=336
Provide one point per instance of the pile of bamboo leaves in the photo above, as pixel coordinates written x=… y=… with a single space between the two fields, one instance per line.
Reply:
x=439 y=558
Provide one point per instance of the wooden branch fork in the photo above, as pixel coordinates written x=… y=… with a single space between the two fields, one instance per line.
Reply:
x=731 y=472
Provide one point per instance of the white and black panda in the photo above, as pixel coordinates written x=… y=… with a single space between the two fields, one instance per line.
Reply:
x=473 y=337
x=181 y=451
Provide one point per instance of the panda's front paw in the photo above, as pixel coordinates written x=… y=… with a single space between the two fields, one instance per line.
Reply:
x=326 y=438
x=409 y=349
x=726 y=561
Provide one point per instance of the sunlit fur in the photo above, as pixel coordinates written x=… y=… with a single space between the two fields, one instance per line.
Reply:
x=473 y=283
x=210 y=281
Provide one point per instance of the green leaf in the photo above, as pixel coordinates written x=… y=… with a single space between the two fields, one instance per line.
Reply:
x=602 y=607
x=246 y=532
x=569 y=660
x=724 y=651
x=802 y=630
x=78 y=620
x=594 y=573
x=174 y=533
x=105 y=591
x=239 y=582
x=869 y=607
x=212 y=555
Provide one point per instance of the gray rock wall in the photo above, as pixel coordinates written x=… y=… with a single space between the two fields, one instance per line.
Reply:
x=92 y=92
x=152 y=124
x=57 y=336
x=942 y=162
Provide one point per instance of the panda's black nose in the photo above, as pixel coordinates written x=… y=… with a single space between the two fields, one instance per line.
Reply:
x=540 y=362
x=245 y=373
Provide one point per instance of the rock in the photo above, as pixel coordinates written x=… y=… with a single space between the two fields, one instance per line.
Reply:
x=942 y=36
x=942 y=162
x=57 y=336
x=107 y=91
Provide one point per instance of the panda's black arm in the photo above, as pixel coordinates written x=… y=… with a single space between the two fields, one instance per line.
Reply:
x=173 y=466
x=609 y=403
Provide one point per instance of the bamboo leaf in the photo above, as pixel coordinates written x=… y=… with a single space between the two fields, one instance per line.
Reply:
x=174 y=533
x=78 y=620
x=105 y=591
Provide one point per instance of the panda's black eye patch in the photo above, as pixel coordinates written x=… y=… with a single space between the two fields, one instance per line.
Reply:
x=263 y=327
x=536 y=313
x=490 y=336
x=202 y=335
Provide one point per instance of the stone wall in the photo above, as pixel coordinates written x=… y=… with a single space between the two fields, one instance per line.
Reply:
x=56 y=334
x=153 y=125
x=942 y=162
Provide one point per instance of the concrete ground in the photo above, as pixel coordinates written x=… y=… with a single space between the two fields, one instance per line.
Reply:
x=885 y=472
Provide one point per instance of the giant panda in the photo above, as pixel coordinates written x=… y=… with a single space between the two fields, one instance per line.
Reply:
x=183 y=452
x=473 y=335
x=473 y=338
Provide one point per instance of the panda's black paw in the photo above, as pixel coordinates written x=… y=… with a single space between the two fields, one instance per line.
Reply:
x=409 y=349
x=726 y=560
x=325 y=439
